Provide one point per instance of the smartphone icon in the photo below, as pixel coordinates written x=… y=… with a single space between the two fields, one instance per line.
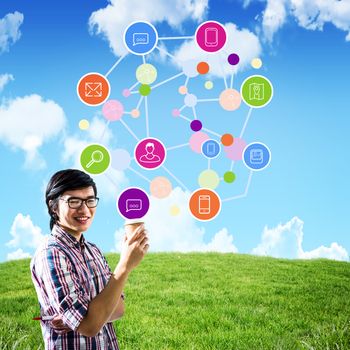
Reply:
x=211 y=37
x=204 y=204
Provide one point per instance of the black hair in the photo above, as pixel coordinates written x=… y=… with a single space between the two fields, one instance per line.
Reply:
x=65 y=180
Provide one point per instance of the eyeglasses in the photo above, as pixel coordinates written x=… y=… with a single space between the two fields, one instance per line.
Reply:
x=76 y=203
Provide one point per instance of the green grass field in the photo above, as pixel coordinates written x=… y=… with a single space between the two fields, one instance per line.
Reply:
x=206 y=301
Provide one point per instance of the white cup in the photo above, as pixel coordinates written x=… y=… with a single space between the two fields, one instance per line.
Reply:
x=131 y=225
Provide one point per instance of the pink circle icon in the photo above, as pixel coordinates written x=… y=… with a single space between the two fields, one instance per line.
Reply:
x=112 y=110
x=150 y=153
x=211 y=36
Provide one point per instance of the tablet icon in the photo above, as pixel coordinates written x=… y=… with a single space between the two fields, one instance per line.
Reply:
x=204 y=204
x=211 y=36
x=211 y=148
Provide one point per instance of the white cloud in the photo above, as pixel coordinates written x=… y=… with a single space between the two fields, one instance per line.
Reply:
x=243 y=42
x=27 y=123
x=310 y=14
x=285 y=241
x=4 y=79
x=9 y=30
x=24 y=235
x=179 y=233
x=112 y=20
x=110 y=183
x=18 y=254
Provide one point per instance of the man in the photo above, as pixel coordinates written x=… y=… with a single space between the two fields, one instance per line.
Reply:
x=73 y=281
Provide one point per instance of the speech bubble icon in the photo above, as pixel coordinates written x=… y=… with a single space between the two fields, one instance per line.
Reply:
x=133 y=204
x=140 y=39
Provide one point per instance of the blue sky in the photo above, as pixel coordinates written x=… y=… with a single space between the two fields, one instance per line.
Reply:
x=296 y=208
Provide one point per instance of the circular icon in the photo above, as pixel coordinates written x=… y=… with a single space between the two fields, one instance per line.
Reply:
x=256 y=91
x=95 y=159
x=160 y=187
x=133 y=203
x=211 y=148
x=204 y=204
x=140 y=38
x=211 y=36
x=209 y=179
x=256 y=156
x=146 y=73
x=93 y=89
x=230 y=99
x=150 y=153
x=112 y=110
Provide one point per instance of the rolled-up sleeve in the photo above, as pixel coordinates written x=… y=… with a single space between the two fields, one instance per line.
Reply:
x=64 y=288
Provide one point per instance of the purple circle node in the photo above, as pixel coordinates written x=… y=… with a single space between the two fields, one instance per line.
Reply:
x=233 y=59
x=126 y=92
x=196 y=125
x=176 y=112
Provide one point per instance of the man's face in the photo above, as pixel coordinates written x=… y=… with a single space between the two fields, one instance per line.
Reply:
x=77 y=220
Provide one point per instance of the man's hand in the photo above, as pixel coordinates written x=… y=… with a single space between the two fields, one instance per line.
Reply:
x=58 y=325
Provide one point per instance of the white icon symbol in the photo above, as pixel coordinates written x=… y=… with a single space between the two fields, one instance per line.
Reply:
x=93 y=89
x=140 y=39
x=96 y=157
x=149 y=157
x=256 y=91
x=211 y=149
x=204 y=204
x=133 y=204
x=256 y=156
x=211 y=37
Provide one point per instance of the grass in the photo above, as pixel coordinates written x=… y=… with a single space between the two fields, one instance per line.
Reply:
x=207 y=301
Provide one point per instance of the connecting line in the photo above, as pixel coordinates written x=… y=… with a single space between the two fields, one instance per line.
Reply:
x=187 y=80
x=179 y=146
x=139 y=174
x=175 y=178
x=232 y=164
x=115 y=64
x=208 y=100
x=208 y=163
x=140 y=101
x=134 y=86
x=167 y=80
x=130 y=131
x=146 y=112
x=143 y=59
x=104 y=131
x=212 y=132
x=166 y=52
x=245 y=192
x=194 y=113
x=185 y=118
x=110 y=179
x=246 y=122
x=182 y=108
x=231 y=81
x=176 y=37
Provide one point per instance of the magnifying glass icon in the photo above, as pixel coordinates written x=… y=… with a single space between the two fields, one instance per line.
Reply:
x=96 y=157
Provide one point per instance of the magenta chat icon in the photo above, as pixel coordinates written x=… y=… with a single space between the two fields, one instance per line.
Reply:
x=133 y=203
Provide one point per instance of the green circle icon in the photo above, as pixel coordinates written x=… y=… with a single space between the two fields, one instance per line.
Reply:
x=95 y=159
x=229 y=176
x=256 y=91
x=144 y=90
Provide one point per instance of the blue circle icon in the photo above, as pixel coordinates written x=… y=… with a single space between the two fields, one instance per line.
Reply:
x=256 y=156
x=140 y=38
x=211 y=148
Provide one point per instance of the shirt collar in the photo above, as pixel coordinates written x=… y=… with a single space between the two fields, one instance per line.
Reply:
x=66 y=238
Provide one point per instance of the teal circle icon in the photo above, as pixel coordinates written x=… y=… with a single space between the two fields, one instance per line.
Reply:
x=95 y=159
x=257 y=91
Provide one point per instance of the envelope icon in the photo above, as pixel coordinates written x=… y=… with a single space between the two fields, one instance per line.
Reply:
x=93 y=89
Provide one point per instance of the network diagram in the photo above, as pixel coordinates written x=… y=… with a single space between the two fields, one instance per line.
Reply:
x=150 y=153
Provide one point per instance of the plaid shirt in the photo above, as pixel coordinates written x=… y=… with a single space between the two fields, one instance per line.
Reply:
x=67 y=275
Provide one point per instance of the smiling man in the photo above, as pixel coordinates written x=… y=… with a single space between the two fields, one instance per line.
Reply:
x=75 y=286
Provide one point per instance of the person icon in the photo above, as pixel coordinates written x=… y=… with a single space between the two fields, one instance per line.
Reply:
x=149 y=157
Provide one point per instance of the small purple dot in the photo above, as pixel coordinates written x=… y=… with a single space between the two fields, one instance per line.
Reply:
x=233 y=59
x=126 y=92
x=196 y=125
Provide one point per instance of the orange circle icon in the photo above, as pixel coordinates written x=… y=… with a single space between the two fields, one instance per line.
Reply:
x=204 y=204
x=93 y=89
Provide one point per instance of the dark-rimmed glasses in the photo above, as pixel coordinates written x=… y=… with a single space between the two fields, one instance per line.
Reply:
x=76 y=203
